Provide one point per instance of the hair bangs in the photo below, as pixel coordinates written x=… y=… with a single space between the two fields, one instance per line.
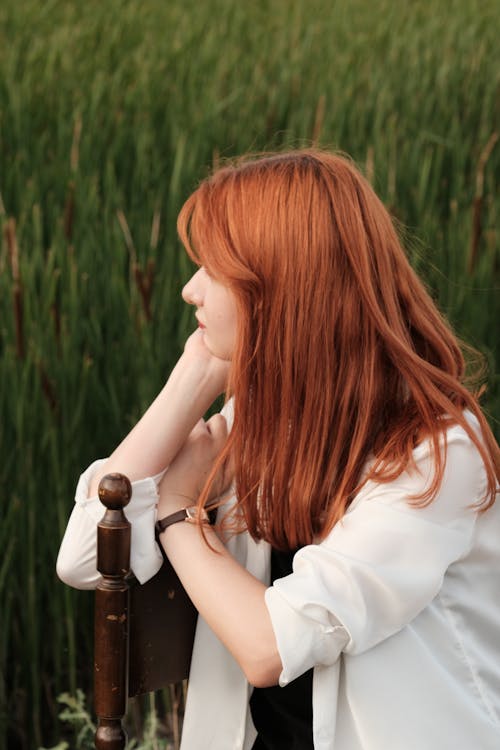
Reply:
x=204 y=228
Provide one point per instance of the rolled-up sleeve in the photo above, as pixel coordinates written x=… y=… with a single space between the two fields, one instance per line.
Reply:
x=380 y=566
x=77 y=559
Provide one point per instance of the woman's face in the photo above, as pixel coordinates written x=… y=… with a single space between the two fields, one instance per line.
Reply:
x=215 y=312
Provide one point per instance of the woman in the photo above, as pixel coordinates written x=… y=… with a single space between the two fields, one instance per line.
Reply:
x=364 y=480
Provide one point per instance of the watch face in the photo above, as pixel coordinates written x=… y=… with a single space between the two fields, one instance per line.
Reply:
x=195 y=515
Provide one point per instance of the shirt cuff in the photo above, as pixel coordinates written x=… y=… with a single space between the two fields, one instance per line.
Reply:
x=303 y=641
x=145 y=556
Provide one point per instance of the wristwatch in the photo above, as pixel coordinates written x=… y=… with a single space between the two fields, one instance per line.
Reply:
x=193 y=514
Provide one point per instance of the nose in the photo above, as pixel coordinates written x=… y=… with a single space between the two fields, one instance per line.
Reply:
x=192 y=292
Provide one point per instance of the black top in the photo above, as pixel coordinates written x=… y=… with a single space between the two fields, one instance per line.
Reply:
x=283 y=715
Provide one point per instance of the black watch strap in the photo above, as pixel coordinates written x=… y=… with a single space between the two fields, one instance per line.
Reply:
x=192 y=514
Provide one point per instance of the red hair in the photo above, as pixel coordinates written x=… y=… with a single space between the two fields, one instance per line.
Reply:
x=341 y=354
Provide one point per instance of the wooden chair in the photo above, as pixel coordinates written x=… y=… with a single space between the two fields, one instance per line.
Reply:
x=143 y=634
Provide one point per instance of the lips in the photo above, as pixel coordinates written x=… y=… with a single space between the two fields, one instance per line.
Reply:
x=200 y=324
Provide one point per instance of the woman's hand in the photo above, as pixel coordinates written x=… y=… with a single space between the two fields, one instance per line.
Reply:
x=217 y=369
x=196 y=381
x=186 y=476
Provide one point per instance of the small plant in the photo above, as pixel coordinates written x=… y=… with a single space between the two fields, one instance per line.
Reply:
x=150 y=740
x=76 y=716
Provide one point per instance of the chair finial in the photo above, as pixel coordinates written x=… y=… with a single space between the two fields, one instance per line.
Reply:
x=115 y=491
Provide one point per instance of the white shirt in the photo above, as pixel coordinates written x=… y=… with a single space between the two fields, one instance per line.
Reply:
x=397 y=610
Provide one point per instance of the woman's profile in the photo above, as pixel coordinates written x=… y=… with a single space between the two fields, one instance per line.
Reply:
x=347 y=591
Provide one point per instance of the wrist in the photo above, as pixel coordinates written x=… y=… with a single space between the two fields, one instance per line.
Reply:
x=207 y=373
x=171 y=502
x=191 y=515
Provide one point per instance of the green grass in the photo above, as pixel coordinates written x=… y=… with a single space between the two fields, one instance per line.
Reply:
x=109 y=115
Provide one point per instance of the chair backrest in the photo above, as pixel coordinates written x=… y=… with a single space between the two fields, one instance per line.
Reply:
x=143 y=634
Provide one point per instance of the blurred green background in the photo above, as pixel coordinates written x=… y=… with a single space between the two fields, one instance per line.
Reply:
x=110 y=113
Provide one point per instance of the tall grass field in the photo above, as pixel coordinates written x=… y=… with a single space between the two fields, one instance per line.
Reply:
x=110 y=113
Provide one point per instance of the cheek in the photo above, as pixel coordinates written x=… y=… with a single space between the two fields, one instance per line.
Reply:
x=231 y=319
x=226 y=329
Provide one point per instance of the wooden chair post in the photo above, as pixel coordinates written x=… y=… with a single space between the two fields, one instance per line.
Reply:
x=111 y=614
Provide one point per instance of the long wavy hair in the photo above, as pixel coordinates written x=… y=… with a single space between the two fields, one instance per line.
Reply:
x=341 y=354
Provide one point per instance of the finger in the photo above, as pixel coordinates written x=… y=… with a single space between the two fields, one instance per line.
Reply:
x=217 y=427
x=194 y=339
x=199 y=428
x=218 y=420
